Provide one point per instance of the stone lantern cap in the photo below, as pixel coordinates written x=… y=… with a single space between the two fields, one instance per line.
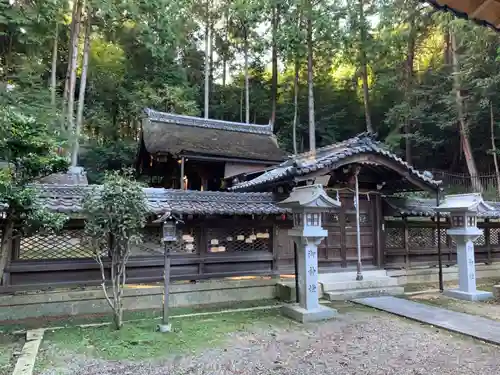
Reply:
x=312 y=197
x=464 y=203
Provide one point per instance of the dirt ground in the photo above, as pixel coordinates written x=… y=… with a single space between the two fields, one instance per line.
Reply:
x=358 y=342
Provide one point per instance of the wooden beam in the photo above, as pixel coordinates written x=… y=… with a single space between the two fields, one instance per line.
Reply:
x=227 y=159
x=480 y=8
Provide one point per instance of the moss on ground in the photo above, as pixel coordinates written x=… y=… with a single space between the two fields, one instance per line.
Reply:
x=10 y=347
x=140 y=340
x=70 y=321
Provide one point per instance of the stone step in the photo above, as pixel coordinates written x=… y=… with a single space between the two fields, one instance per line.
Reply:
x=351 y=275
x=346 y=295
x=368 y=283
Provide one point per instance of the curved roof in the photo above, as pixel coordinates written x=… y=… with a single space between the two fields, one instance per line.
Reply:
x=166 y=133
x=336 y=155
x=403 y=206
x=484 y=12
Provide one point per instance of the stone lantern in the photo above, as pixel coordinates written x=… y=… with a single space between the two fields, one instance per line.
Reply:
x=307 y=203
x=463 y=209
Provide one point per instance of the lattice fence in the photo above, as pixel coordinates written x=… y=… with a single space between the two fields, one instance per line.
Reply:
x=495 y=236
x=422 y=238
x=152 y=245
x=394 y=238
x=238 y=239
x=69 y=244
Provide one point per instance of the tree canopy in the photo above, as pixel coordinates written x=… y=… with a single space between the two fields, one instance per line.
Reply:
x=426 y=82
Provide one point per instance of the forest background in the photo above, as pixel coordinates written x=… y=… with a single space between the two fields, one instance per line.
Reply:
x=319 y=70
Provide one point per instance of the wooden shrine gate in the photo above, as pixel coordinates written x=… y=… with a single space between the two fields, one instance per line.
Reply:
x=339 y=249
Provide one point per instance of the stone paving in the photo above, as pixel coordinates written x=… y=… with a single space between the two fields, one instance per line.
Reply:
x=471 y=325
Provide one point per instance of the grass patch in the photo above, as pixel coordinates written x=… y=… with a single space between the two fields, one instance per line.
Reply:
x=71 y=321
x=9 y=345
x=139 y=340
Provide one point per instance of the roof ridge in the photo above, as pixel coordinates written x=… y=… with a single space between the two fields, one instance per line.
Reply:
x=185 y=120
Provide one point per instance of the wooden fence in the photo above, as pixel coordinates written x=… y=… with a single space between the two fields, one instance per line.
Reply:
x=230 y=247
x=454 y=183
x=413 y=242
x=210 y=248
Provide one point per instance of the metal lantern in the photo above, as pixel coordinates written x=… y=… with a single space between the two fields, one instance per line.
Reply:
x=169 y=231
x=169 y=235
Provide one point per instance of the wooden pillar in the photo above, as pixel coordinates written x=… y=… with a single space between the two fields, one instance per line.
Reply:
x=202 y=248
x=343 y=235
x=406 y=242
x=487 y=241
x=181 y=185
x=275 y=249
x=379 y=217
x=449 y=242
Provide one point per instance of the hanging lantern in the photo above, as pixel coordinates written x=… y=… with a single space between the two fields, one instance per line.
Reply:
x=169 y=231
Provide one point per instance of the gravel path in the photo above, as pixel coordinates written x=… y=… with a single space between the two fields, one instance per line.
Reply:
x=356 y=343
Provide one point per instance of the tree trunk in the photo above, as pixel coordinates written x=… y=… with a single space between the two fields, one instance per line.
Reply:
x=447 y=58
x=364 y=67
x=247 y=81
x=74 y=65
x=241 y=104
x=462 y=121
x=70 y=61
x=295 y=104
x=224 y=61
x=274 y=80
x=208 y=40
x=211 y=85
x=310 y=82
x=5 y=248
x=81 y=94
x=494 y=148
x=53 y=76
x=410 y=57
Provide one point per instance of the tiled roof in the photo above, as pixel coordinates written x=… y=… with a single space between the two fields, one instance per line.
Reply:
x=74 y=176
x=324 y=157
x=398 y=206
x=177 y=134
x=68 y=199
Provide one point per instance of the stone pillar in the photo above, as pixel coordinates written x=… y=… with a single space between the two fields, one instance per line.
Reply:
x=307 y=251
x=466 y=273
x=466 y=267
x=308 y=308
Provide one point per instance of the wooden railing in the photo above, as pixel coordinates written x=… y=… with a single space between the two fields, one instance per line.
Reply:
x=455 y=183
x=210 y=248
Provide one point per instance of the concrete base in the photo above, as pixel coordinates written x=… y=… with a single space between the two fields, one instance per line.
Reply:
x=299 y=314
x=163 y=328
x=479 y=295
x=136 y=297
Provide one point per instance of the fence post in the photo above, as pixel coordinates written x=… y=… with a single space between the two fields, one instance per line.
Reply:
x=406 y=242
x=487 y=241
x=275 y=249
